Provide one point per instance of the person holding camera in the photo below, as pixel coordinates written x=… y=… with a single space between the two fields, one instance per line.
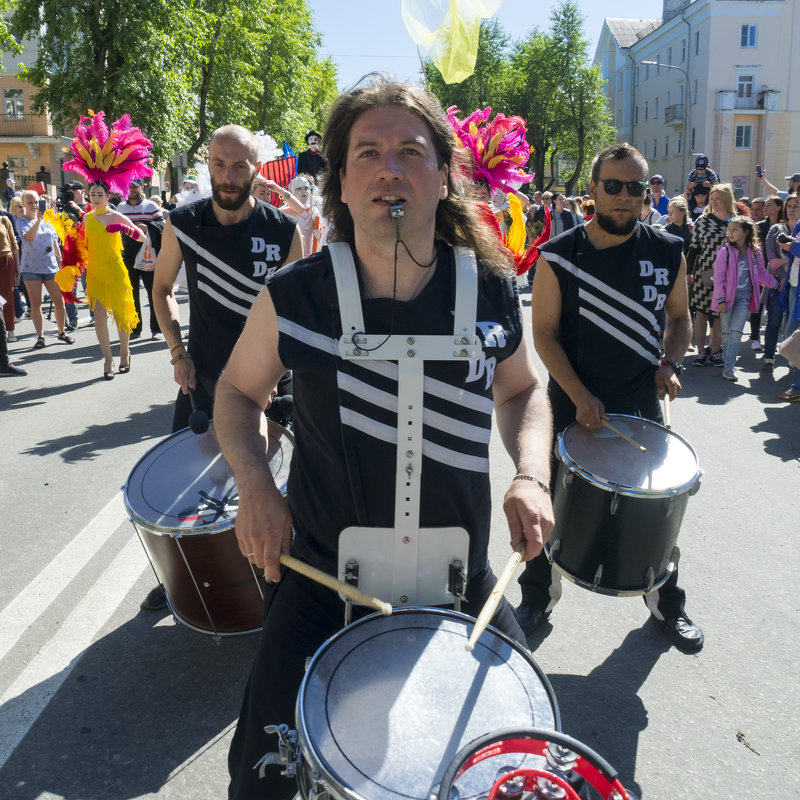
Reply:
x=41 y=259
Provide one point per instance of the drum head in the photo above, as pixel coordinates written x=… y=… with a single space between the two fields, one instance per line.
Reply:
x=387 y=703
x=669 y=465
x=184 y=484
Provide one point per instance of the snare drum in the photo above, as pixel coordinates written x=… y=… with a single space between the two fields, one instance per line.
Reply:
x=387 y=703
x=182 y=501
x=619 y=511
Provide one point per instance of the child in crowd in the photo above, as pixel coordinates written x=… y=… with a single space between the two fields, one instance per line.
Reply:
x=739 y=272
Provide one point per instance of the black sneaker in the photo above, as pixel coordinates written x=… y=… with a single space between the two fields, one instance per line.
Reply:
x=530 y=618
x=156 y=599
x=10 y=370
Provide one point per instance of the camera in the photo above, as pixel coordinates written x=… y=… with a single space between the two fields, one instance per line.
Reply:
x=65 y=197
x=759 y=171
x=783 y=238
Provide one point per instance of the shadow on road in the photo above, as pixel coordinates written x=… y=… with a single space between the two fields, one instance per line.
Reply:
x=142 y=701
x=90 y=442
x=603 y=709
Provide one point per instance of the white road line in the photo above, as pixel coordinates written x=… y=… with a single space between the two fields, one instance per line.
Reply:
x=39 y=594
x=51 y=666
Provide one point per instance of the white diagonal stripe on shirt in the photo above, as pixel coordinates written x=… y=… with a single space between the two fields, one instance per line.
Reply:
x=218 y=263
x=597 y=302
x=306 y=336
x=619 y=336
x=388 y=434
x=222 y=300
x=603 y=287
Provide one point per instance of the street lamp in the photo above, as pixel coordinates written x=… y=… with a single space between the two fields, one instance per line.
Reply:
x=686 y=102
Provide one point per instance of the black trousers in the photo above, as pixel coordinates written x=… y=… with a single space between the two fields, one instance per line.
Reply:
x=299 y=617
x=138 y=277
x=540 y=582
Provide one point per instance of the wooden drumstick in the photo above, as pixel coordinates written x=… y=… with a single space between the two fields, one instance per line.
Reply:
x=490 y=606
x=338 y=586
x=667 y=420
x=632 y=442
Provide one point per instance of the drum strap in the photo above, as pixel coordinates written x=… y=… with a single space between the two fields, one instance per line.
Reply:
x=410 y=353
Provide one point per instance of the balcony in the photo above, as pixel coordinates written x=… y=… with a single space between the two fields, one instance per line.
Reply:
x=674 y=114
x=19 y=126
x=733 y=100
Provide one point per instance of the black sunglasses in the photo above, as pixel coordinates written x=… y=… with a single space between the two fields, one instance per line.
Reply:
x=613 y=186
x=657 y=183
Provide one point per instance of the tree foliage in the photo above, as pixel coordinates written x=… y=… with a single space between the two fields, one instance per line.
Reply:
x=180 y=68
x=547 y=79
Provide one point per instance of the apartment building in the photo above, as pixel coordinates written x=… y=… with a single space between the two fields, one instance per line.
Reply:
x=28 y=142
x=723 y=79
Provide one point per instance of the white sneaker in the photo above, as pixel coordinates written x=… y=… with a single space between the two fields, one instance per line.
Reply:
x=11 y=337
x=728 y=375
x=755 y=345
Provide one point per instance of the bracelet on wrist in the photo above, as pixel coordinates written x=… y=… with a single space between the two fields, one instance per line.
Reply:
x=175 y=359
x=173 y=349
x=524 y=476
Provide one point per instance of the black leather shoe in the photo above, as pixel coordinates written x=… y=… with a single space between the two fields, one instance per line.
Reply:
x=155 y=600
x=530 y=618
x=683 y=633
x=10 y=369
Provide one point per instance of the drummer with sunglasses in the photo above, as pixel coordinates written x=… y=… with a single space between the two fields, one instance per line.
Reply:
x=611 y=324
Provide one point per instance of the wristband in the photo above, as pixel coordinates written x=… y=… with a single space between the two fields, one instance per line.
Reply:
x=177 y=358
x=523 y=476
x=676 y=368
x=173 y=349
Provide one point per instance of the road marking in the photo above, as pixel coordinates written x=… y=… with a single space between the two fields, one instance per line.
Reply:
x=28 y=696
x=40 y=593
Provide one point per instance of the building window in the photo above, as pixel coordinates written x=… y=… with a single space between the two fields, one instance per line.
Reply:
x=636 y=78
x=655 y=148
x=744 y=137
x=694 y=92
x=655 y=110
x=694 y=145
x=13 y=104
x=666 y=146
x=678 y=144
x=646 y=110
x=748 y=35
x=744 y=88
x=669 y=55
x=697 y=43
x=18 y=163
x=644 y=150
x=646 y=71
x=683 y=50
x=636 y=115
x=658 y=63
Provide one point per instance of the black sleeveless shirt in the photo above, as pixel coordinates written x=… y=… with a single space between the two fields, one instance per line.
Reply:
x=345 y=412
x=226 y=268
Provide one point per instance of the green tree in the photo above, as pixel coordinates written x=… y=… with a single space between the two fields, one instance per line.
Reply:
x=488 y=85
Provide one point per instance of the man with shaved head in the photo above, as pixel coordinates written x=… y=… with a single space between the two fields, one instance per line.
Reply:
x=230 y=243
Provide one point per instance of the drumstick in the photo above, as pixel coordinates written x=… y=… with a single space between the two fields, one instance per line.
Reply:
x=490 y=606
x=338 y=586
x=667 y=420
x=632 y=442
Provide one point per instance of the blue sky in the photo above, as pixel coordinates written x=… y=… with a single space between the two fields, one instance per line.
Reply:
x=368 y=35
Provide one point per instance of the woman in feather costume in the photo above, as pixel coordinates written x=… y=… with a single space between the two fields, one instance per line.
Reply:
x=110 y=159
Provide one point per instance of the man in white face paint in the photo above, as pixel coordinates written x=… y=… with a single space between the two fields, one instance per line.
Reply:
x=311 y=162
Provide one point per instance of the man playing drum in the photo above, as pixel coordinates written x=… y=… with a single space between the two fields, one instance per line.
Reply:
x=604 y=295
x=391 y=194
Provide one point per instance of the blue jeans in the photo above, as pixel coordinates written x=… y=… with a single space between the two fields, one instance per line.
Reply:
x=791 y=326
x=732 y=326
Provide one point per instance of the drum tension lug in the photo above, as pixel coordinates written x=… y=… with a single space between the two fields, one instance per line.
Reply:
x=598 y=576
x=351 y=578
x=288 y=753
x=650 y=579
x=457 y=583
x=552 y=552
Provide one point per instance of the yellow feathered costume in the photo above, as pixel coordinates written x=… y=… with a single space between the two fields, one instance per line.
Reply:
x=107 y=280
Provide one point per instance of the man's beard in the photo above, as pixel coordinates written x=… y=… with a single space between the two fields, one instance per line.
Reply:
x=230 y=204
x=610 y=225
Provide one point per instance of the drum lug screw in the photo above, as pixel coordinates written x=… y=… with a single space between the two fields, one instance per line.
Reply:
x=411 y=354
x=206 y=584
x=614 y=503
x=403 y=598
x=406 y=539
x=410 y=340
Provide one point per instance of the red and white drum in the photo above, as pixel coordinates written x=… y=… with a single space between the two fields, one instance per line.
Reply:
x=182 y=501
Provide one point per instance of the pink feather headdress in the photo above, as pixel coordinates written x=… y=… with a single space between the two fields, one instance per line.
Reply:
x=117 y=156
x=498 y=147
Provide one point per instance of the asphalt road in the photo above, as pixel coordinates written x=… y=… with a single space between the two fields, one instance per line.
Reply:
x=102 y=701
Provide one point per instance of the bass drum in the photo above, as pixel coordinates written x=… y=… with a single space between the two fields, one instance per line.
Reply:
x=618 y=511
x=182 y=501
